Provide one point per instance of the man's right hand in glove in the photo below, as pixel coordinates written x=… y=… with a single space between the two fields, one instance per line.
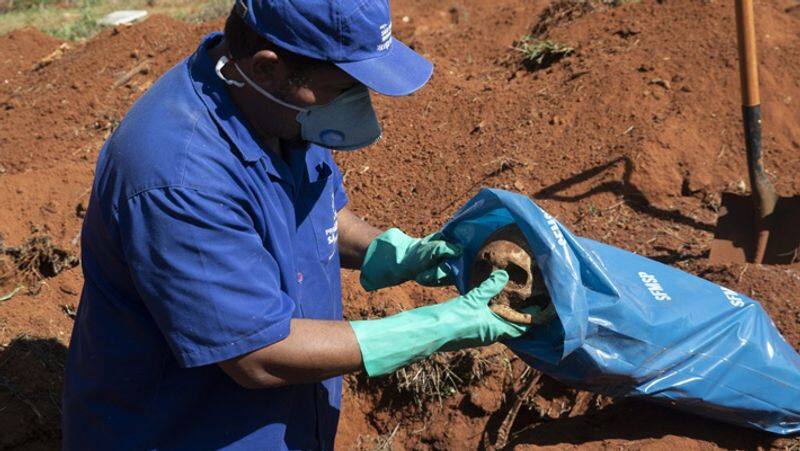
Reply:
x=317 y=350
x=462 y=322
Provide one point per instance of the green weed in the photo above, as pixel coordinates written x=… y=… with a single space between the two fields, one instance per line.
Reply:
x=541 y=53
x=84 y=26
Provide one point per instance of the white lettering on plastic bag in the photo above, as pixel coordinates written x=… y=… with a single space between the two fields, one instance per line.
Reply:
x=551 y=221
x=654 y=287
x=733 y=297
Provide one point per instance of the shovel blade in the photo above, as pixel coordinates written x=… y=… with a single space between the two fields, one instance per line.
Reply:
x=736 y=232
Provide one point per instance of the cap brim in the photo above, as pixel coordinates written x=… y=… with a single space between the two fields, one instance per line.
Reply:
x=399 y=72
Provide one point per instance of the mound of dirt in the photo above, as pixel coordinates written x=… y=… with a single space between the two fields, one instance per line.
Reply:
x=22 y=49
x=76 y=100
x=628 y=139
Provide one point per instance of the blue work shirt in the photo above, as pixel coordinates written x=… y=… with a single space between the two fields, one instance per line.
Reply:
x=199 y=245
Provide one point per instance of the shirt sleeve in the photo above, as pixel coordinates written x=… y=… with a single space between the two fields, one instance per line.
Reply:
x=203 y=273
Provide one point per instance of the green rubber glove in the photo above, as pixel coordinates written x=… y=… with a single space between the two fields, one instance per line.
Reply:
x=466 y=321
x=394 y=257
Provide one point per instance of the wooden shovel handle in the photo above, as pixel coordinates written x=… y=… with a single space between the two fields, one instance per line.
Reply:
x=748 y=65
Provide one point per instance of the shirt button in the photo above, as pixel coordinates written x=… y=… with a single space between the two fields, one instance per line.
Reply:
x=299 y=277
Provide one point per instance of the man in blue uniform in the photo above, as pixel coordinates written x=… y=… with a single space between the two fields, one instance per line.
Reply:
x=211 y=313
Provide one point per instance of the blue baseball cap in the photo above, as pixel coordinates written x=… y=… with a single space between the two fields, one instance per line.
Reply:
x=355 y=35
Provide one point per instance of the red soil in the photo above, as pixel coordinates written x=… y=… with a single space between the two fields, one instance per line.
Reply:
x=21 y=50
x=629 y=140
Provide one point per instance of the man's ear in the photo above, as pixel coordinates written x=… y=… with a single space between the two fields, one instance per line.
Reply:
x=268 y=70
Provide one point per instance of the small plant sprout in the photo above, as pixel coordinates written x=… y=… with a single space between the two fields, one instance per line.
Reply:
x=541 y=53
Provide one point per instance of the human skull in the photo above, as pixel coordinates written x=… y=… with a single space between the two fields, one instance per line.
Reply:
x=507 y=249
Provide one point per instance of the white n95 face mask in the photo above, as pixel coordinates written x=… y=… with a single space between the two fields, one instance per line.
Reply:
x=348 y=122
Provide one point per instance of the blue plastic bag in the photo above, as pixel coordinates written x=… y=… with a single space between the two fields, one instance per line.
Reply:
x=630 y=326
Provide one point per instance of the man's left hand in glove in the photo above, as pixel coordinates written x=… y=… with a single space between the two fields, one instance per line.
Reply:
x=394 y=257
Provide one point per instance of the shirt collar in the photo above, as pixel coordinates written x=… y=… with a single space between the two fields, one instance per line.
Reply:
x=214 y=94
x=312 y=158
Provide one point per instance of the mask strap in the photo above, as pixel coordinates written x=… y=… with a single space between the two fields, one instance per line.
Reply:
x=223 y=60
x=264 y=93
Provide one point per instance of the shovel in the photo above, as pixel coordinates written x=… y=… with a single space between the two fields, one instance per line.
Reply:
x=761 y=227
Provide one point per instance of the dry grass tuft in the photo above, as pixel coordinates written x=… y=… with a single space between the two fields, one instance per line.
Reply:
x=35 y=260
